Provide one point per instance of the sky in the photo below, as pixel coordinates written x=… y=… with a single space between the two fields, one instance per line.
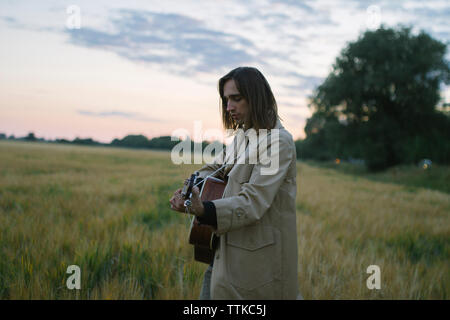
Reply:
x=105 y=69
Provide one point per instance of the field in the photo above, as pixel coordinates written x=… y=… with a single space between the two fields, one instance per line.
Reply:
x=107 y=211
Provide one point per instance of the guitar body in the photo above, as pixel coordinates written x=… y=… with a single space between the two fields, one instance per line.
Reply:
x=202 y=236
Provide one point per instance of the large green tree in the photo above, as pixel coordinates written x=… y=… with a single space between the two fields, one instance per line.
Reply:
x=379 y=101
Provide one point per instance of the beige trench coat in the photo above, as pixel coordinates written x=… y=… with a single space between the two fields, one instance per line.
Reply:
x=256 y=222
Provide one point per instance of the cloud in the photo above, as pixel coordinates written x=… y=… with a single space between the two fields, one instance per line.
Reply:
x=12 y=22
x=305 y=82
x=278 y=36
x=295 y=3
x=298 y=84
x=176 y=42
x=293 y=117
x=180 y=44
x=120 y=114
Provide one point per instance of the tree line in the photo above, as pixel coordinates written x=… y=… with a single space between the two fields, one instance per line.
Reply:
x=129 y=141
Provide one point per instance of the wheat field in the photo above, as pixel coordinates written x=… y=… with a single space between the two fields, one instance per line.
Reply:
x=106 y=210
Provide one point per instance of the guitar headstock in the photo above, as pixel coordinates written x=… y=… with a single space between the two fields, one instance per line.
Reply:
x=186 y=192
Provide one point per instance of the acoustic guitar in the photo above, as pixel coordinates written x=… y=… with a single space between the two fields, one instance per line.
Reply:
x=201 y=235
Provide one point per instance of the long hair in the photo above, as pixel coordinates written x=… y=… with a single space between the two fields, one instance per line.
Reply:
x=254 y=88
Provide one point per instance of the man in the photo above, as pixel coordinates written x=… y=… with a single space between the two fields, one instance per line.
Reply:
x=256 y=218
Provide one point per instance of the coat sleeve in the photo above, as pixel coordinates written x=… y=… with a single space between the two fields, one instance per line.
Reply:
x=256 y=196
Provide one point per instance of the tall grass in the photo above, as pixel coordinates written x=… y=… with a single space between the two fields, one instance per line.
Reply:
x=106 y=210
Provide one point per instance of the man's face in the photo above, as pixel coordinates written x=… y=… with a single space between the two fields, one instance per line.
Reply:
x=237 y=106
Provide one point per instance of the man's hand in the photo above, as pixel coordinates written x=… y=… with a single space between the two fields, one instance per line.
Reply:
x=177 y=202
x=197 y=204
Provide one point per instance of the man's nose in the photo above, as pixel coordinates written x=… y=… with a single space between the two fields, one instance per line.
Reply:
x=230 y=106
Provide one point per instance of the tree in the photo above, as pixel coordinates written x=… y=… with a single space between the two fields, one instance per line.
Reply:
x=382 y=94
x=163 y=142
x=30 y=137
x=132 y=141
x=88 y=141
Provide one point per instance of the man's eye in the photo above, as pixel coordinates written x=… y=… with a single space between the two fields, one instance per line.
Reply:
x=236 y=99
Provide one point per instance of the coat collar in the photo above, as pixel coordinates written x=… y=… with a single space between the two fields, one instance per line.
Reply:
x=278 y=125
